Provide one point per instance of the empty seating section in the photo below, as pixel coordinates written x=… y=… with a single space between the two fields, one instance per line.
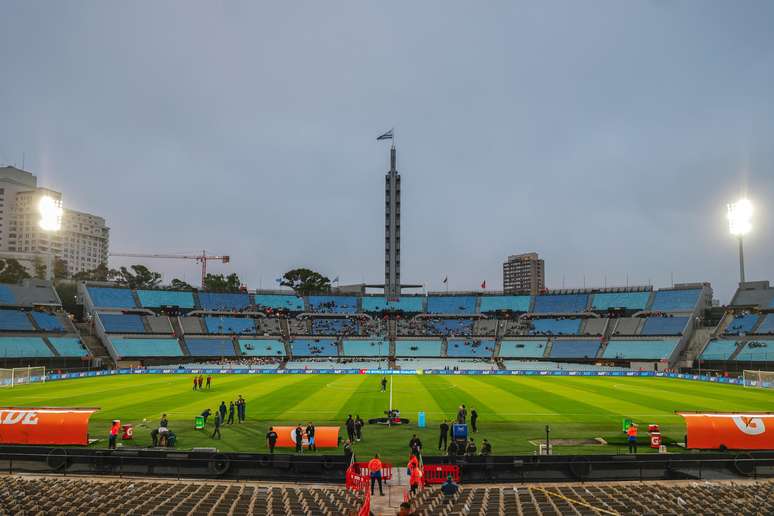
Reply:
x=122 y=323
x=127 y=347
x=314 y=348
x=366 y=348
x=565 y=303
x=451 y=305
x=719 y=350
x=261 y=347
x=444 y=363
x=586 y=349
x=593 y=326
x=675 y=300
x=192 y=325
x=6 y=296
x=337 y=364
x=15 y=320
x=741 y=324
x=756 y=351
x=279 y=302
x=486 y=327
x=159 y=324
x=267 y=326
x=626 y=300
x=111 y=297
x=767 y=326
x=664 y=325
x=512 y=303
x=555 y=326
x=470 y=348
x=533 y=365
x=229 y=325
x=417 y=348
x=210 y=347
x=522 y=348
x=639 y=349
x=627 y=326
x=24 y=347
x=458 y=327
x=222 y=301
x=47 y=322
x=333 y=304
x=298 y=327
x=381 y=304
x=159 y=298
x=334 y=327
x=68 y=346
x=760 y=297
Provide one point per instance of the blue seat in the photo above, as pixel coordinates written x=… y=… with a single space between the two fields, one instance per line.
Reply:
x=47 y=322
x=334 y=327
x=462 y=327
x=639 y=349
x=15 y=320
x=210 y=347
x=146 y=347
x=314 y=348
x=261 y=347
x=451 y=304
x=470 y=348
x=229 y=325
x=561 y=303
x=664 y=326
x=719 y=350
x=279 y=302
x=627 y=300
x=411 y=304
x=122 y=323
x=417 y=348
x=767 y=326
x=6 y=296
x=159 y=298
x=675 y=300
x=757 y=351
x=104 y=297
x=24 y=347
x=741 y=324
x=224 y=301
x=512 y=303
x=333 y=304
x=555 y=326
x=366 y=348
x=522 y=348
x=68 y=346
x=574 y=349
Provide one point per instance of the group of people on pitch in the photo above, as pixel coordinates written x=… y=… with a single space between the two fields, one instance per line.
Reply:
x=238 y=406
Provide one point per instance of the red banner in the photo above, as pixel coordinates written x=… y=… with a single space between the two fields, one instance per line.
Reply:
x=45 y=425
x=324 y=436
x=733 y=431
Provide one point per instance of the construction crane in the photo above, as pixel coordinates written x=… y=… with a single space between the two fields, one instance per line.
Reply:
x=200 y=258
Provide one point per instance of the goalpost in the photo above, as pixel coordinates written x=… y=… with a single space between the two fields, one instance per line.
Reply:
x=22 y=375
x=762 y=379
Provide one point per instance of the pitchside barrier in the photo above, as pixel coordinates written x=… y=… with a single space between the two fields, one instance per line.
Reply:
x=476 y=372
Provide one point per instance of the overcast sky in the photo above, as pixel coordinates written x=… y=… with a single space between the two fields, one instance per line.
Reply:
x=607 y=136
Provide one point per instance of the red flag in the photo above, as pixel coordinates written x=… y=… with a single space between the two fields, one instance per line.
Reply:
x=483 y=284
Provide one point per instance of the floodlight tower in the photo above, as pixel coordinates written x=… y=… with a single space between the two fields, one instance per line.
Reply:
x=50 y=222
x=739 y=224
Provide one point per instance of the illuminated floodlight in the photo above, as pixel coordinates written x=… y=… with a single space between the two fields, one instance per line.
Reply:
x=740 y=217
x=50 y=210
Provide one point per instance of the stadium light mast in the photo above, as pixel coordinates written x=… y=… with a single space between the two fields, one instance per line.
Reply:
x=50 y=211
x=739 y=217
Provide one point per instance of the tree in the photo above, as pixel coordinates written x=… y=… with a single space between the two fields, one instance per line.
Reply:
x=40 y=268
x=221 y=283
x=138 y=277
x=60 y=269
x=99 y=273
x=178 y=284
x=11 y=271
x=67 y=291
x=306 y=281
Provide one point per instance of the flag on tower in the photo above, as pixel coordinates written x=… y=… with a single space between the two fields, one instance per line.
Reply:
x=445 y=279
x=385 y=136
x=335 y=280
x=483 y=284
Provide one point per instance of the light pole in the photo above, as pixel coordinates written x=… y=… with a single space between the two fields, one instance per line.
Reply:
x=739 y=217
x=50 y=210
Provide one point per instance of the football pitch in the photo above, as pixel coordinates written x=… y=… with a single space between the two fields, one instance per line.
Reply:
x=512 y=410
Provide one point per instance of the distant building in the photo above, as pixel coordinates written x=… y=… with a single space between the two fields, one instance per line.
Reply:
x=524 y=273
x=82 y=240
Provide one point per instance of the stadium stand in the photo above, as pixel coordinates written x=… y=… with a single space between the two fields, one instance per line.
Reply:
x=229 y=325
x=561 y=303
x=159 y=298
x=366 y=348
x=664 y=326
x=504 y=303
x=279 y=302
x=145 y=347
x=594 y=326
x=203 y=347
x=456 y=305
x=482 y=348
x=639 y=349
x=121 y=323
x=766 y=327
x=448 y=364
x=24 y=347
x=15 y=320
x=450 y=327
x=485 y=327
x=223 y=301
x=261 y=347
x=555 y=327
x=417 y=348
x=675 y=300
x=741 y=324
x=47 y=322
x=412 y=304
x=542 y=365
x=347 y=363
x=757 y=294
x=756 y=351
x=586 y=349
x=627 y=300
x=719 y=350
x=107 y=297
x=627 y=326
x=522 y=348
x=298 y=327
x=333 y=304
x=314 y=348
x=334 y=327
x=71 y=347
x=192 y=325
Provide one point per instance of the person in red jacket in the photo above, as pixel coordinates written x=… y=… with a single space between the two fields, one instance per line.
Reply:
x=375 y=468
x=415 y=477
x=114 y=429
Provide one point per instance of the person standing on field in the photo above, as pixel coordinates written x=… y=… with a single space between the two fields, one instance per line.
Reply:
x=271 y=439
x=200 y=381
x=359 y=424
x=444 y=436
x=218 y=421
x=230 y=413
x=222 y=410
x=310 y=436
x=473 y=420
x=209 y=381
x=350 y=426
x=299 y=434
x=196 y=380
x=384 y=383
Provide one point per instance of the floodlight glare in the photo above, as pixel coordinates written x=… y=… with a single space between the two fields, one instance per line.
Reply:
x=740 y=217
x=50 y=210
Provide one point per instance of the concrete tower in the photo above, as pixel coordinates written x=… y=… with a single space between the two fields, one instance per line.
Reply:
x=392 y=228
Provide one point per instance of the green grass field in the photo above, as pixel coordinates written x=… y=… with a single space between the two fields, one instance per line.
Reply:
x=512 y=410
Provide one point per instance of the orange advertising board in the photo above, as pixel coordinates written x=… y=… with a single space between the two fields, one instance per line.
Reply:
x=45 y=425
x=734 y=431
x=324 y=436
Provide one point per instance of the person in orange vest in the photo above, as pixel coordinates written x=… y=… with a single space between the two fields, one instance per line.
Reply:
x=415 y=478
x=114 y=429
x=375 y=467
x=631 y=436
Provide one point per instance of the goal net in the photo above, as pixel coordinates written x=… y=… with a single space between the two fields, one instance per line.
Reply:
x=22 y=376
x=762 y=379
